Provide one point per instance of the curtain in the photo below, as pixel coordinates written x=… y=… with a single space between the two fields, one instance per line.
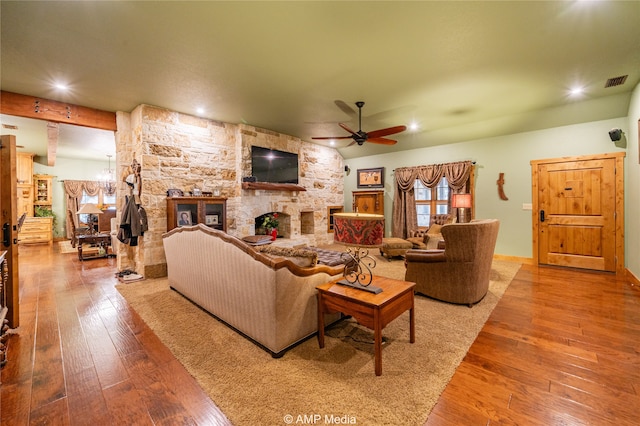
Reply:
x=73 y=189
x=404 y=202
x=405 y=217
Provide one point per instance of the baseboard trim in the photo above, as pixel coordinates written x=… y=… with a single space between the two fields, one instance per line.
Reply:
x=518 y=259
x=631 y=277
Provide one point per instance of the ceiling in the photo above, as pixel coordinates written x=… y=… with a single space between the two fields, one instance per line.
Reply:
x=459 y=70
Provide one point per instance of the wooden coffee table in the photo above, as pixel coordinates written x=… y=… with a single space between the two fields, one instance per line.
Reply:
x=102 y=239
x=371 y=310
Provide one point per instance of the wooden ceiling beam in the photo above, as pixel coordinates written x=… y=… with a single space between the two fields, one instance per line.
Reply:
x=54 y=111
x=52 y=143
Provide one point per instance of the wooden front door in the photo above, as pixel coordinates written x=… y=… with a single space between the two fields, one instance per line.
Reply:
x=578 y=212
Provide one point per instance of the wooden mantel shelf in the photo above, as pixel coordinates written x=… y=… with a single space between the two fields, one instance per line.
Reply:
x=272 y=186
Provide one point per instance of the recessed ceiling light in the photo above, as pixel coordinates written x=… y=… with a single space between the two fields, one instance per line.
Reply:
x=200 y=110
x=332 y=142
x=575 y=91
x=61 y=86
x=413 y=126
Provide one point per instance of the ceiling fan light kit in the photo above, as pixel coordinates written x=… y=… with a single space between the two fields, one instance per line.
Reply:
x=360 y=137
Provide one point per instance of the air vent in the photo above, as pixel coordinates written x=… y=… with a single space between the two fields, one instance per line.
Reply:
x=616 y=81
x=10 y=126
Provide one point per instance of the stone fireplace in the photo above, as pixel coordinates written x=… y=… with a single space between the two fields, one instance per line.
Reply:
x=179 y=151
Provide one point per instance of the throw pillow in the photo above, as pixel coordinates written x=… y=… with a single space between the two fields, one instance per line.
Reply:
x=300 y=257
x=432 y=241
x=434 y=229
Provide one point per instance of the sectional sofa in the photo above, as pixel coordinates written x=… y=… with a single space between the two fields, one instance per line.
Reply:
x=268 y=298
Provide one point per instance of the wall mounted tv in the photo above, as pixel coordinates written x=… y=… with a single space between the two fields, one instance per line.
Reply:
x=270 y=165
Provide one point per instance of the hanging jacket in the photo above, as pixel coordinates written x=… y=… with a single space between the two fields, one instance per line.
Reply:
x=130 y=224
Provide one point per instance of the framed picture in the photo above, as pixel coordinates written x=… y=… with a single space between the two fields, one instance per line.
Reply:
x=211 y=219
x=371 y=178
x=184 y=218
x=174 y=192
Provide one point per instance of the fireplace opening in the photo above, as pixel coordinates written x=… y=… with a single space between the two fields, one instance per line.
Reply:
x=283 y=228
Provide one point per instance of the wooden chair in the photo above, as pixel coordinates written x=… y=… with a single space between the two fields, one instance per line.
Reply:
x=73 y=231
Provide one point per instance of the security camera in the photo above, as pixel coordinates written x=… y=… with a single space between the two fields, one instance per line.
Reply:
x=615 y=134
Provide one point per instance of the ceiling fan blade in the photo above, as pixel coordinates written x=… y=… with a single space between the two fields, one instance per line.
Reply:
x=382 y=141
x=354 y=141
x=386 y=132
x=344 y=126
x=331 y=137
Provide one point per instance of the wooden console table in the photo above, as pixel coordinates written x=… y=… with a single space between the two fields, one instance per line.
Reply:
x=371 y=310
x=103 y=240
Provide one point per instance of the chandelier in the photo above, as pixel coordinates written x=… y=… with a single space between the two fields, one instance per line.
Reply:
x=108 y=179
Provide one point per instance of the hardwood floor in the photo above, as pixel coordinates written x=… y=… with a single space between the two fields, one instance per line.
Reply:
x=83 y=357
x=561 y=347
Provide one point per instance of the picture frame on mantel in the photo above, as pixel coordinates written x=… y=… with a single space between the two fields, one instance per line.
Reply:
x=371 y=178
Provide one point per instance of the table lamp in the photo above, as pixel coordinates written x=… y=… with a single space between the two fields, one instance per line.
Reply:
x=461 y=201
x=359 y=231
x=91 y=210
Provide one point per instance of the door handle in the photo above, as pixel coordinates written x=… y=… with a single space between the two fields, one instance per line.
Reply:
x=541 y=215
x=6 y=234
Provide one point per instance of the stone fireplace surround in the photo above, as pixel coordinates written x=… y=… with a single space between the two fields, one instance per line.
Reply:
x=180 y=151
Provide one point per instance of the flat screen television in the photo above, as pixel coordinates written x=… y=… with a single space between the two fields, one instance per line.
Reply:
x=271 y=165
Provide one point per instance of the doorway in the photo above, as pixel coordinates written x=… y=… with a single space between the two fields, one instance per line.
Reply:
x=578 y=212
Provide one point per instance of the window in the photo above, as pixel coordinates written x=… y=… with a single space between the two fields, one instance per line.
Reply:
x=431 y=201
x=101 y=200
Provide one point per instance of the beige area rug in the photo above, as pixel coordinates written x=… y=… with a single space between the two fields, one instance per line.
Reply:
x=252 y=388
x=65 y=247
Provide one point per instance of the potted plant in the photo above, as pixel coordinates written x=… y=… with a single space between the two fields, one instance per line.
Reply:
x=270 y=223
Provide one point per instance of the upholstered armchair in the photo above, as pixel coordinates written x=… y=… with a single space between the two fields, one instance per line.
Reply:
x=460 y=272
x=431 y=237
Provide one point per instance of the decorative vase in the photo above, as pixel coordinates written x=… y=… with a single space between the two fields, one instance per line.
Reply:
x=274 y=234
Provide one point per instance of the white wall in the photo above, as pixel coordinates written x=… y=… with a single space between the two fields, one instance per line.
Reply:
x=510 y=155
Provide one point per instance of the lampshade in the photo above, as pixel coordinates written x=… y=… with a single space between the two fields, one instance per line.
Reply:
x=358 y=229
x=461 y=201
x=89 y=209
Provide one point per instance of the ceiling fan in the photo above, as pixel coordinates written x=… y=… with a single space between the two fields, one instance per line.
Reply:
x=360 y=137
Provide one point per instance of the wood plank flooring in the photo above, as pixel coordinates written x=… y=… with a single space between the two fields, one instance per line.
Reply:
x=561 y=347
x=83 y=357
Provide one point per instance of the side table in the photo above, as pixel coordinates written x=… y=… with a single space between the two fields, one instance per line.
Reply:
x=371 y=310
x=102 y=239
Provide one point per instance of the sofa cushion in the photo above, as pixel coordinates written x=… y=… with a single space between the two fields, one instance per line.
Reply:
x=418 y=242
x=301 y=257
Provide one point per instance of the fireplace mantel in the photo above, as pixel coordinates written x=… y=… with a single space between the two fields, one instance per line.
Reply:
x=272 y=186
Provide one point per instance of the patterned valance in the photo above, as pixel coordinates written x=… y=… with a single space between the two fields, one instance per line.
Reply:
x=457 y=175
x=74 y=188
